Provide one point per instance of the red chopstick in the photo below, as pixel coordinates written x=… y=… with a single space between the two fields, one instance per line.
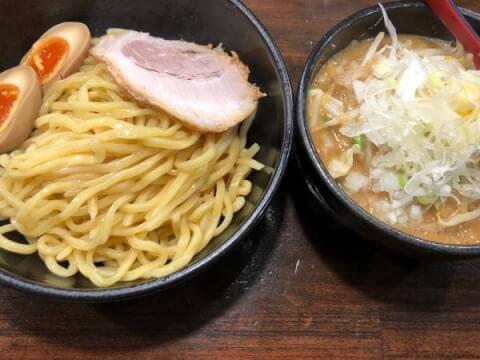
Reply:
x=452 y=18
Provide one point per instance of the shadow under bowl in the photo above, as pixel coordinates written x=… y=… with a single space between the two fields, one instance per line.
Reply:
x=409 y=17
x=205 y=22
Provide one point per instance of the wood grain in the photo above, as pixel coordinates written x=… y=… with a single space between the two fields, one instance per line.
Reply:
x=290 y=291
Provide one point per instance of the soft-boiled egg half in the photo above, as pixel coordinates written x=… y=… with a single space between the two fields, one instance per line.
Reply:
x=20 y=101
x=59 y=52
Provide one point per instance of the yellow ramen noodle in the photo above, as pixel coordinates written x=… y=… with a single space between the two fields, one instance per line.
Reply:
x=118 y=191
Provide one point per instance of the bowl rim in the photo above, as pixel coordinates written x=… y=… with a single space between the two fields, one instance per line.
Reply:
x=153 y=285
x=320 y=170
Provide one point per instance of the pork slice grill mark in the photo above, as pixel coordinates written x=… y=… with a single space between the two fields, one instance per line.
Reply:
x=173 y=62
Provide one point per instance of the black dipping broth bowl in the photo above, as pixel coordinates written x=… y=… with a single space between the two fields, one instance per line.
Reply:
x=205 y=22
x=409 y=17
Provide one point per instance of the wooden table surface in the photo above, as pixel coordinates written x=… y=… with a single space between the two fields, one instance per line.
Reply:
x=290 y=291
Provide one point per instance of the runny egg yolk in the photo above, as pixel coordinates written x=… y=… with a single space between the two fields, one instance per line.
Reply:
x=8 y=96
x=47 y=56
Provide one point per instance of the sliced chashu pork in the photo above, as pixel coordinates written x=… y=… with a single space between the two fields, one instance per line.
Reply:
x=205 y=88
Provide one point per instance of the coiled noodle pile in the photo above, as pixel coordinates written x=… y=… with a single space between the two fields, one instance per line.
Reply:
x=118 y=191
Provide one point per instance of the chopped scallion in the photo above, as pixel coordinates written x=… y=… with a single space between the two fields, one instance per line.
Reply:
x=360 y=140
x=426 y=200
x=402 y=179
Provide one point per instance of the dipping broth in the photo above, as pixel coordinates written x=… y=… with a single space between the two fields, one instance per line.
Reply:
x=396 y=126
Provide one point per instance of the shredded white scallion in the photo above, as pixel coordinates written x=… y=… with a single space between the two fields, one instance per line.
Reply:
x=391 y=30
x=373 y=48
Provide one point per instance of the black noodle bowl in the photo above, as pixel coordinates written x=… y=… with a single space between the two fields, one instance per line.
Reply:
x=205 y=22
